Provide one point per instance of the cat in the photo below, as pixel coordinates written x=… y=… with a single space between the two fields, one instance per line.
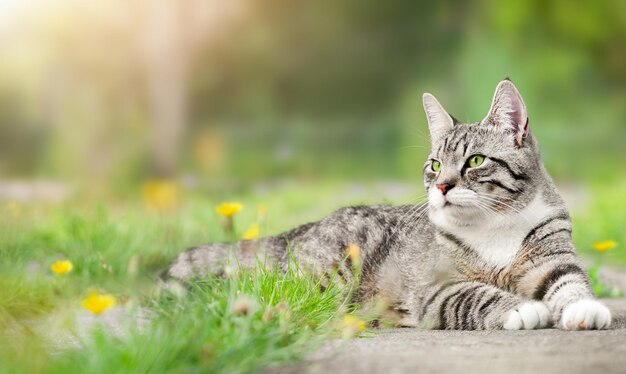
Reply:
x=492 y=248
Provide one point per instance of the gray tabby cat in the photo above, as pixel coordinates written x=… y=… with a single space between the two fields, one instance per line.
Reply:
x=495 y=251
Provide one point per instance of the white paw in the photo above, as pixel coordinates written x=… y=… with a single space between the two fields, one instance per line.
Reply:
x=527 y=316
x=586 y=315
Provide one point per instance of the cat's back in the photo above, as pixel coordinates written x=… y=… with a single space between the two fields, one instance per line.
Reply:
x=384 y=222
x=378 y=231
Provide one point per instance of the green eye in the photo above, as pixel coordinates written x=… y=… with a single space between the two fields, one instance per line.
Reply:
x=436 y=165
x=475 y=160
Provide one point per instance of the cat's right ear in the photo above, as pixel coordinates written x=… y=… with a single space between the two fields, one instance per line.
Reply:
x=439 y=121
x=508 y=111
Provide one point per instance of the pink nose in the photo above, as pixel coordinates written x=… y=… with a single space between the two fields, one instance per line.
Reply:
x=444 y=187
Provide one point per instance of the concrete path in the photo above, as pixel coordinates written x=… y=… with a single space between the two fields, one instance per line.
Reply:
x=415 y=351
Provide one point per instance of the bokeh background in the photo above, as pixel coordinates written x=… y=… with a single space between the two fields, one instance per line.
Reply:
x=124 y=124
x=102 y=96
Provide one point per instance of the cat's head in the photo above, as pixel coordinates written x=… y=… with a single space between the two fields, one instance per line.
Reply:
x=481 y=170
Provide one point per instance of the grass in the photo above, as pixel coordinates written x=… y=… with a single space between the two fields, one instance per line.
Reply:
x=120 y=246
x=239 y=324
x=119 y=249
x=255 y=319
x=604 y=218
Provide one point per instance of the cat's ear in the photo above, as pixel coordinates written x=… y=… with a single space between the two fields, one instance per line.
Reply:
x=439 y=121
x=508 y=111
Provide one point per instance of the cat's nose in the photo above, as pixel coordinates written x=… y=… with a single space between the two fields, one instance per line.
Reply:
x=445 y=187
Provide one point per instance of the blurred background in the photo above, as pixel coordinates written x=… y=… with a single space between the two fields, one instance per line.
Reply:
x=220 y=95
x=114 y=110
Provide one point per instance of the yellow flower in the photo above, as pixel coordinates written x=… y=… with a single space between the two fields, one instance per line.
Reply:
x=209 y=150
x=262 y=209
x=14 y=208
x=160 y=195
x=229 y=209
x=61 y=267
x=352 y=325
x=605 y=245
x=353 y=252
x=97 y=302
x=252 y=232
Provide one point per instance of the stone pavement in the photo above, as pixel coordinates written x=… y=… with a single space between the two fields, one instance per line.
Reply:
x=414 y=351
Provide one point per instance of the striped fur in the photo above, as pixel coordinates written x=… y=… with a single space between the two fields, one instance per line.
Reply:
x=494 y=251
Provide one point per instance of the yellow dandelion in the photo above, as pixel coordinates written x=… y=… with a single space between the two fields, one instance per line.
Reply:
x=160 y=195
x=61 y=267
x=229 y=209
x=605 y=245
x=209 y=150
x=97 y=302
x=352 y=325
x=252 y=232
x=353 y=252
x=14 y=209
x=262 y=210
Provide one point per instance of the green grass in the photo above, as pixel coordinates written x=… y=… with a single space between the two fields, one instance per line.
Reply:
x=284 y=314
x=120 y=246
x=604 y=218
x=288 y=315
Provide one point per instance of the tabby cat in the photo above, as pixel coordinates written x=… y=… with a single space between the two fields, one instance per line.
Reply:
x=492 y=248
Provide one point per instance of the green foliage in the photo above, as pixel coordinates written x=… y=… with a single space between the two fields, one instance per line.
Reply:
x=602 y=218
x=283 y=313
x=286 y=315
x=600 y=288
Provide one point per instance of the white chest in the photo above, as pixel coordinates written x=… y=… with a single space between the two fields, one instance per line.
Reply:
x=498 y=241
x=497 y=246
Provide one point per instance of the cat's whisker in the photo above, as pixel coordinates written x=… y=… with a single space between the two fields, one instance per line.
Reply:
x=490 y=212
x=406 y=214
x=513 y=201
x=417 y=200
x=412 y=221
x=421 y=216
x=495 y=198
x=419 y=132
x=495 y=202
x=416 y=212
x=492 y=204
x=482 y=207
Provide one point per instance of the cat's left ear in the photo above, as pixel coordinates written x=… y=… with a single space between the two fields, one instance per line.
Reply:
x=439 y=121
x=508 y=111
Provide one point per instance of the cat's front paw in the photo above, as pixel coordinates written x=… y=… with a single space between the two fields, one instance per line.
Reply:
x=527 y=316
x=586 y=315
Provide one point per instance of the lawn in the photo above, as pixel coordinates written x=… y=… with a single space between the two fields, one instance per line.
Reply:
x=251 y=320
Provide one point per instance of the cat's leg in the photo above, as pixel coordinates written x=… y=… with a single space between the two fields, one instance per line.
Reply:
x=555 y=276
x=563 y=285
x=564 y=288
x=470 y=305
